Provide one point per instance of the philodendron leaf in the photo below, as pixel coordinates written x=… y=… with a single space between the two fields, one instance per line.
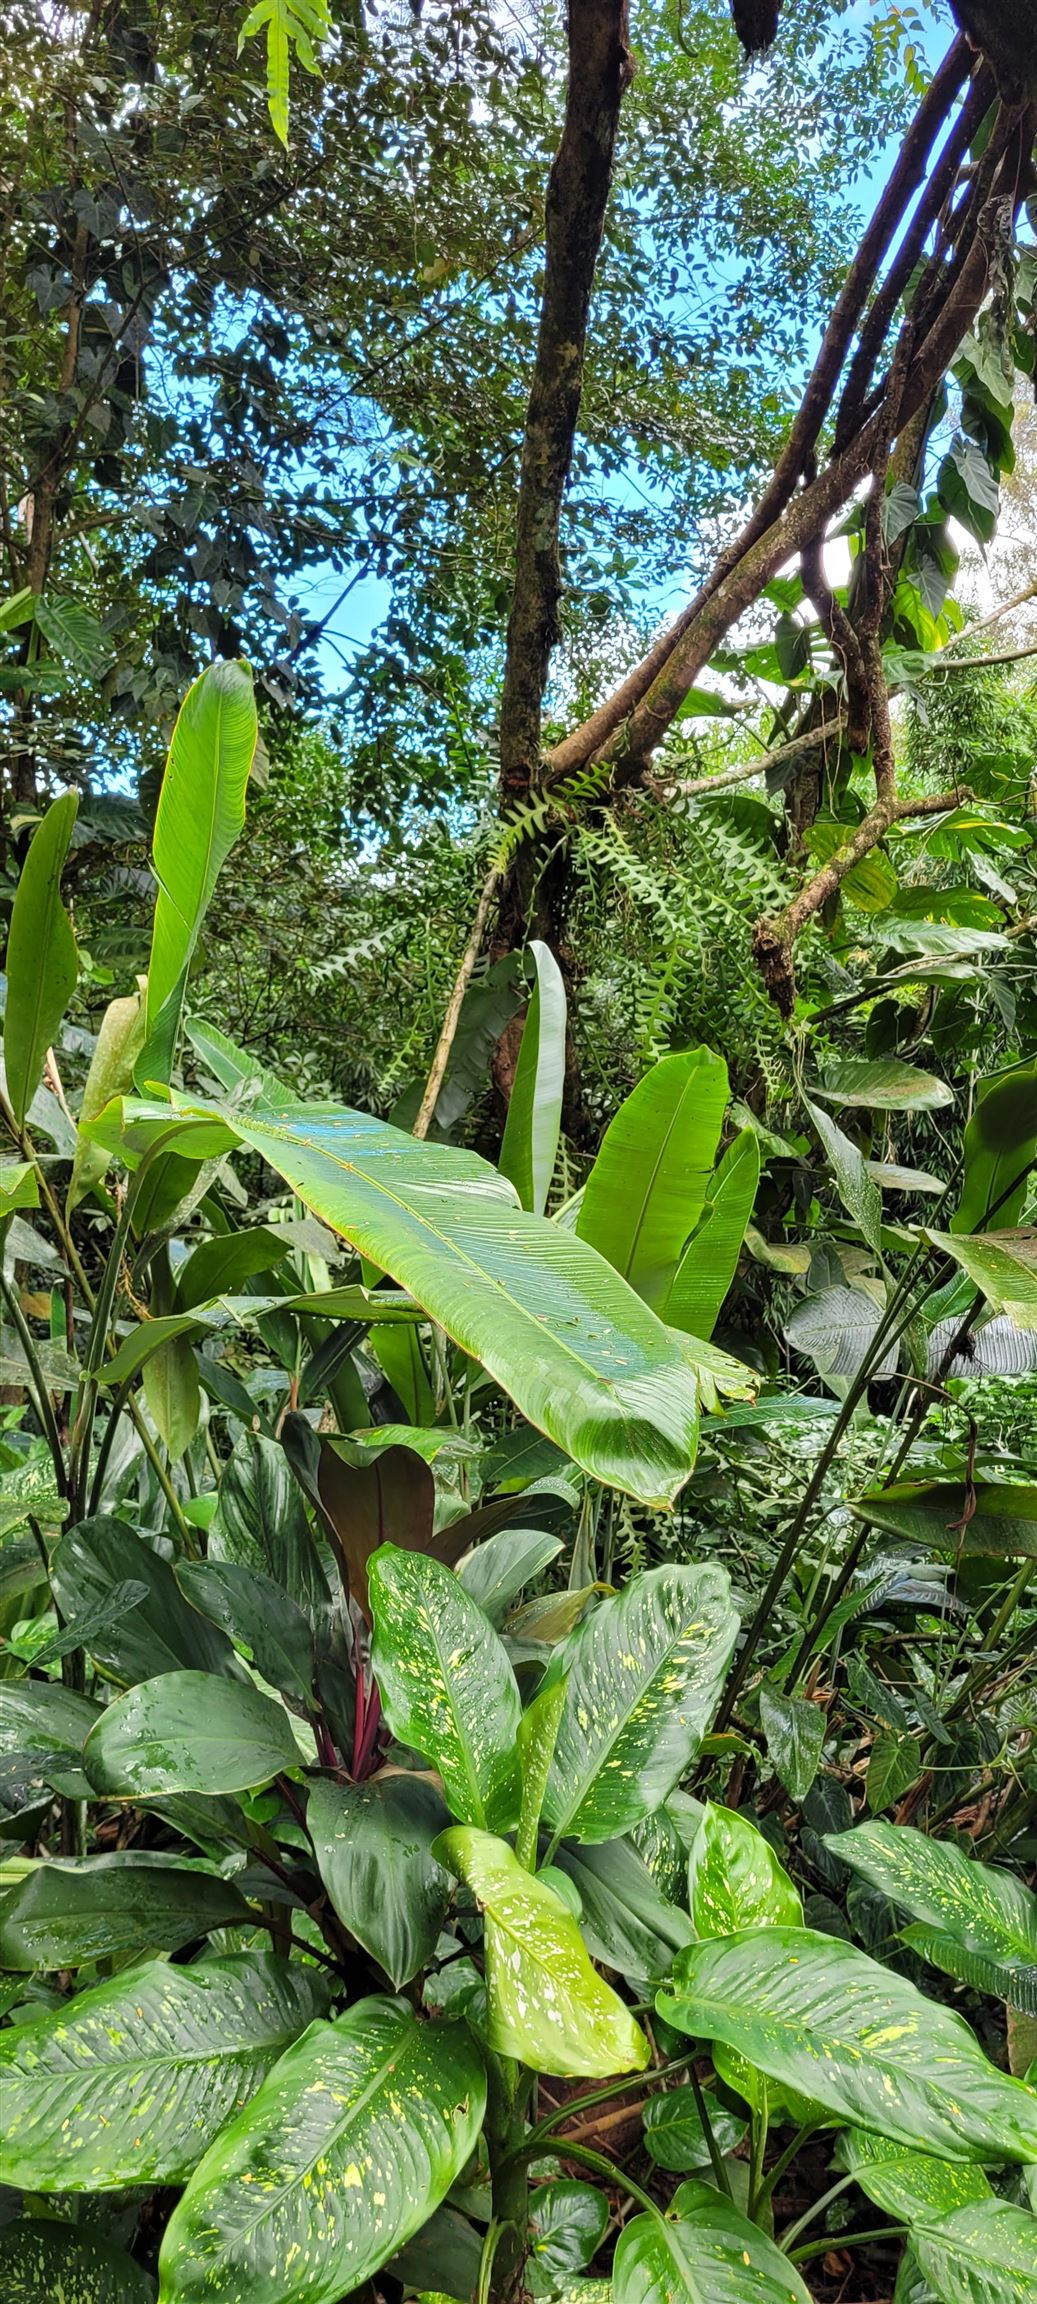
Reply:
x=735 y=1880
x=46 y=2263
x=703 y=2252
x=547 y=2005
x=189 y=1732
x=346 y=2150
x=645 y=1671
x=817 y=2015
x=675 y=2137
x=447 y=1685
x=983 y=2254
x=912 y=2186
x=373 y=1844
x=42 y=961
x=64 y=1914
x=989 y=1914
x=129 y=2082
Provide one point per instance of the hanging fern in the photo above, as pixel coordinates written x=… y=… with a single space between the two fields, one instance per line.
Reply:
x=289 y=24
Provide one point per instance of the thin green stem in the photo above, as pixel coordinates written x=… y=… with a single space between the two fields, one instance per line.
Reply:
x=600 y=2166
x=784 y=2162
x=37 y=1387
x=489 y=2250
x=816 y=2208
x=757 y=2156
x=716 y=2157
x=577 y=2104
x=846 y=2240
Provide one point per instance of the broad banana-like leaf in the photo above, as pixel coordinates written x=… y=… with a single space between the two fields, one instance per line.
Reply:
x=100 y=1907
x=530 y=1140
x=46 y=2263
x=1002 y=1264
x=1000 y=1150
x=189 y=1732
x=42 y=961
x=1002 y=1526
x=989 y=1915
x=645 y=1671
x=201 y=811
x=447 y=1684
x=912 y=2186
x=582 y=1357
x=983 y=2254
x=347 y=2149
x=173 y=1392
x=647 y=1188
x=704 y=2252
x=373 y=1844
x=546 y=2004
x=710 y=1260
x=817 y=2015
x=129 y=2082
x=735 y=1880
x=119 y=1042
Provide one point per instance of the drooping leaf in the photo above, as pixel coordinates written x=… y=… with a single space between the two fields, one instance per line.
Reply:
x=218 y=1266
x=64 y=1914
x=289 y=24
x=42 y=961
x=982 y=1909
x=119 y=1042
x=883 y=1084
x=530 y=1140
x=735 y=1880
x=18 y=1186
x=47 y=2263
x=647 y=1188
x=704 y=2252
x=373 y=1844
x=912 y=2186
x=161 y=1633
x=625 y=1919
x=448 y=1688
x=675 y=2137
x=546 y=2004
x=495 y=1572
x=348 y=2147
x=710 y=1260
x=129 y=2082
x=795 y=1733
x=1000 y=1149
x=819 y=2016
x=932 y=1513
x=858 y=1190
x=983 y=2254
x=173 y=1393
x=189 y=1732
x=201 y=811
x=256 y=1614
x=836 y=1330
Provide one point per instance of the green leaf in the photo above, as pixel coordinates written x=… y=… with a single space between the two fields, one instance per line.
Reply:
x=373 y=1844
x=985 y=1911
x=42 y=961
x=567 y=2224
x=894 y=1765
x=537 y=1737
x=46 y=2263
x=218 y=1266
x=369 y=1495
x=298 y=24
x=909 y=2185
x=351 y=2143
x=18 y=1186
x=932 y=1512
x=645 y=1671
x=858 y=1191
x=625 y=1920
x=201 y=811
x=256 y=1614
x=1002 y=1264
x=496 y=1571
x=546 y=2004
x=42 y=1716
x=983 y=2254
x=1015 y=1984
x=581 y=1357
x=161 y=1633
x=448 y=1688
x=530 y=1140
x=261 y=1521
x=735 y=1879
x=703 y=2252
x=62 y=1915
x=647 y=1188
x=883 y=1084
x=76 y=635
x=119 y=1042
x=1000 y=1149
x=189 y=1732
x=795 y=1733
x=147 y=1338
x=675 y=2137
x=819 y=2016
x=710 y=1260
x=173 y=1393
x=129 y=2082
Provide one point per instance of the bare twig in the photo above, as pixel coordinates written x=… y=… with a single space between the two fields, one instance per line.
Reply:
x=455 y=1003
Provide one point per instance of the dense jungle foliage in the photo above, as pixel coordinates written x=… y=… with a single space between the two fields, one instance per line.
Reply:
x=518 y=1153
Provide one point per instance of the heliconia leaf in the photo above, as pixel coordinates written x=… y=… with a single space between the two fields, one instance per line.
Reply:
x=42 y=961
x=447 y=1684
x=710 y=1260
x=119 y=1042
x=883 y=1084
x=983 y=2254
x=64 y=1914
x=201 y=811
x=373 y=1844
x=1001 y=1526
x=129 y=2082
x=18 y=1186
x=172 y=1390
x=581 y=1356
x=1000 y=1149
x=1013 y=1982
x=347 y=2149
x=189 y=1732
x=735 y=1880
x=819 y=2016
x=645 y=1671
x=647 y=1188
x=987 y=1912
x=218 y=1266
x=703 y=2252
x=530 y=1140
x=46 y=2263
x=546 y=2004
x=912 y=2186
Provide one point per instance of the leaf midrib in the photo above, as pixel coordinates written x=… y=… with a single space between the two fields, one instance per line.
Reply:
x=606 y=1750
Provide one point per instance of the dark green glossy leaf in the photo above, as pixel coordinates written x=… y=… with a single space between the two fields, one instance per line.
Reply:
x=160 y=1633
x=1000 y=1149
x=795 y=1732
x=1003 y=1525
x=675 y=2137
x=188 y=1732
x=895 y=1763
x=258 y=1615
x=42 y=1716
x=567 y=2224
x=625 y=1920
x=46 y=2263
x=64 y=1914
x=703 y=2252
x=373 y=1844
x=261 y=1521
x=448 y=1688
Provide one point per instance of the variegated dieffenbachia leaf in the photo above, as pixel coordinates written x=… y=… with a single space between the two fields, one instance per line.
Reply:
x=547 y=2005
x=704 y=2252
x=977 y=1923
x=447 y=1684
x=982 y=2254
x=735 y=1879
x=909 y=2185
x=645 y=1671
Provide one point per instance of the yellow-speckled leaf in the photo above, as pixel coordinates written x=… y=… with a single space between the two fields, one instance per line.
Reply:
x=986 y=2254
x=913 y=2186
x=819 y=2016
x=46 y=2263
x=735 y=1880
x=988 y=1914
x=547 y=2005
x=447 y=1685
x=346 y=2150
x=704 y=2252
